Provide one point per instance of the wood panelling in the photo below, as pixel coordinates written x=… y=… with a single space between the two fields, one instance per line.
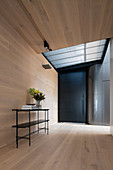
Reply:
x=14 y=14
x=61 y=22
x=20 y=69
x=67 y=147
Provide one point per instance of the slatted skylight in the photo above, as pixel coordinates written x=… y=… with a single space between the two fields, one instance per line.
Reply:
x=76 y=54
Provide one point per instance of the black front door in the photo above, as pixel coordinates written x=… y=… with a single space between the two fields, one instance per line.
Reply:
x=72 y=97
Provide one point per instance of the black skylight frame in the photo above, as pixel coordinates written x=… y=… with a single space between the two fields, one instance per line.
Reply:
x=59 y=60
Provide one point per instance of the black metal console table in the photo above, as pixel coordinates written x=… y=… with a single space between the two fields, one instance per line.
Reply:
x=31 y=123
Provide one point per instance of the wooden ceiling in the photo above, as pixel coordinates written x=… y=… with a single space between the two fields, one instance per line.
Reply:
x=61 y=23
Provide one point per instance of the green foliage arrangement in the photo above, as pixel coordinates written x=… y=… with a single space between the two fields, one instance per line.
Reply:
x=37 y=95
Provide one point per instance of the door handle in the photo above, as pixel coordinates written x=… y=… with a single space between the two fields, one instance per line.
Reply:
x=83 y=105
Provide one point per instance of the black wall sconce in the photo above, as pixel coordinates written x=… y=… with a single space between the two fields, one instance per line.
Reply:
x=46 y=66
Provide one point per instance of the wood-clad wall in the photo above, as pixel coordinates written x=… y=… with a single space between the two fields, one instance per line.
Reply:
x=20 y=69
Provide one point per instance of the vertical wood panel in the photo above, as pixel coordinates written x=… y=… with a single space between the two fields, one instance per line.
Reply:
x=20 y=69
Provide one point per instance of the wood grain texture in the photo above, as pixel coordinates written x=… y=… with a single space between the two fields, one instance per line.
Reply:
x=62 y=23
x=20 y=69
x=68 y=147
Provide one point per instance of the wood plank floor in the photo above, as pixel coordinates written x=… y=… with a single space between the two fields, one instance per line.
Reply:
x=67 y=147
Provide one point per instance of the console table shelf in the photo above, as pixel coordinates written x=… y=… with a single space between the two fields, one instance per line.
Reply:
x=31 y=123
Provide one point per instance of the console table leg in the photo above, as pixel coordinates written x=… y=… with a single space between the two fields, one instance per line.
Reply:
x=29 y=130
x=38 y=121
x=17 y=137
x=45 y=121
x=16 y=129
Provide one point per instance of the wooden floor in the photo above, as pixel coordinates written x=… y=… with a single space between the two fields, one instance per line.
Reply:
x=67 y=147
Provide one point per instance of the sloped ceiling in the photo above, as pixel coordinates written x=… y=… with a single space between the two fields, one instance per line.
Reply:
x=62 y=23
